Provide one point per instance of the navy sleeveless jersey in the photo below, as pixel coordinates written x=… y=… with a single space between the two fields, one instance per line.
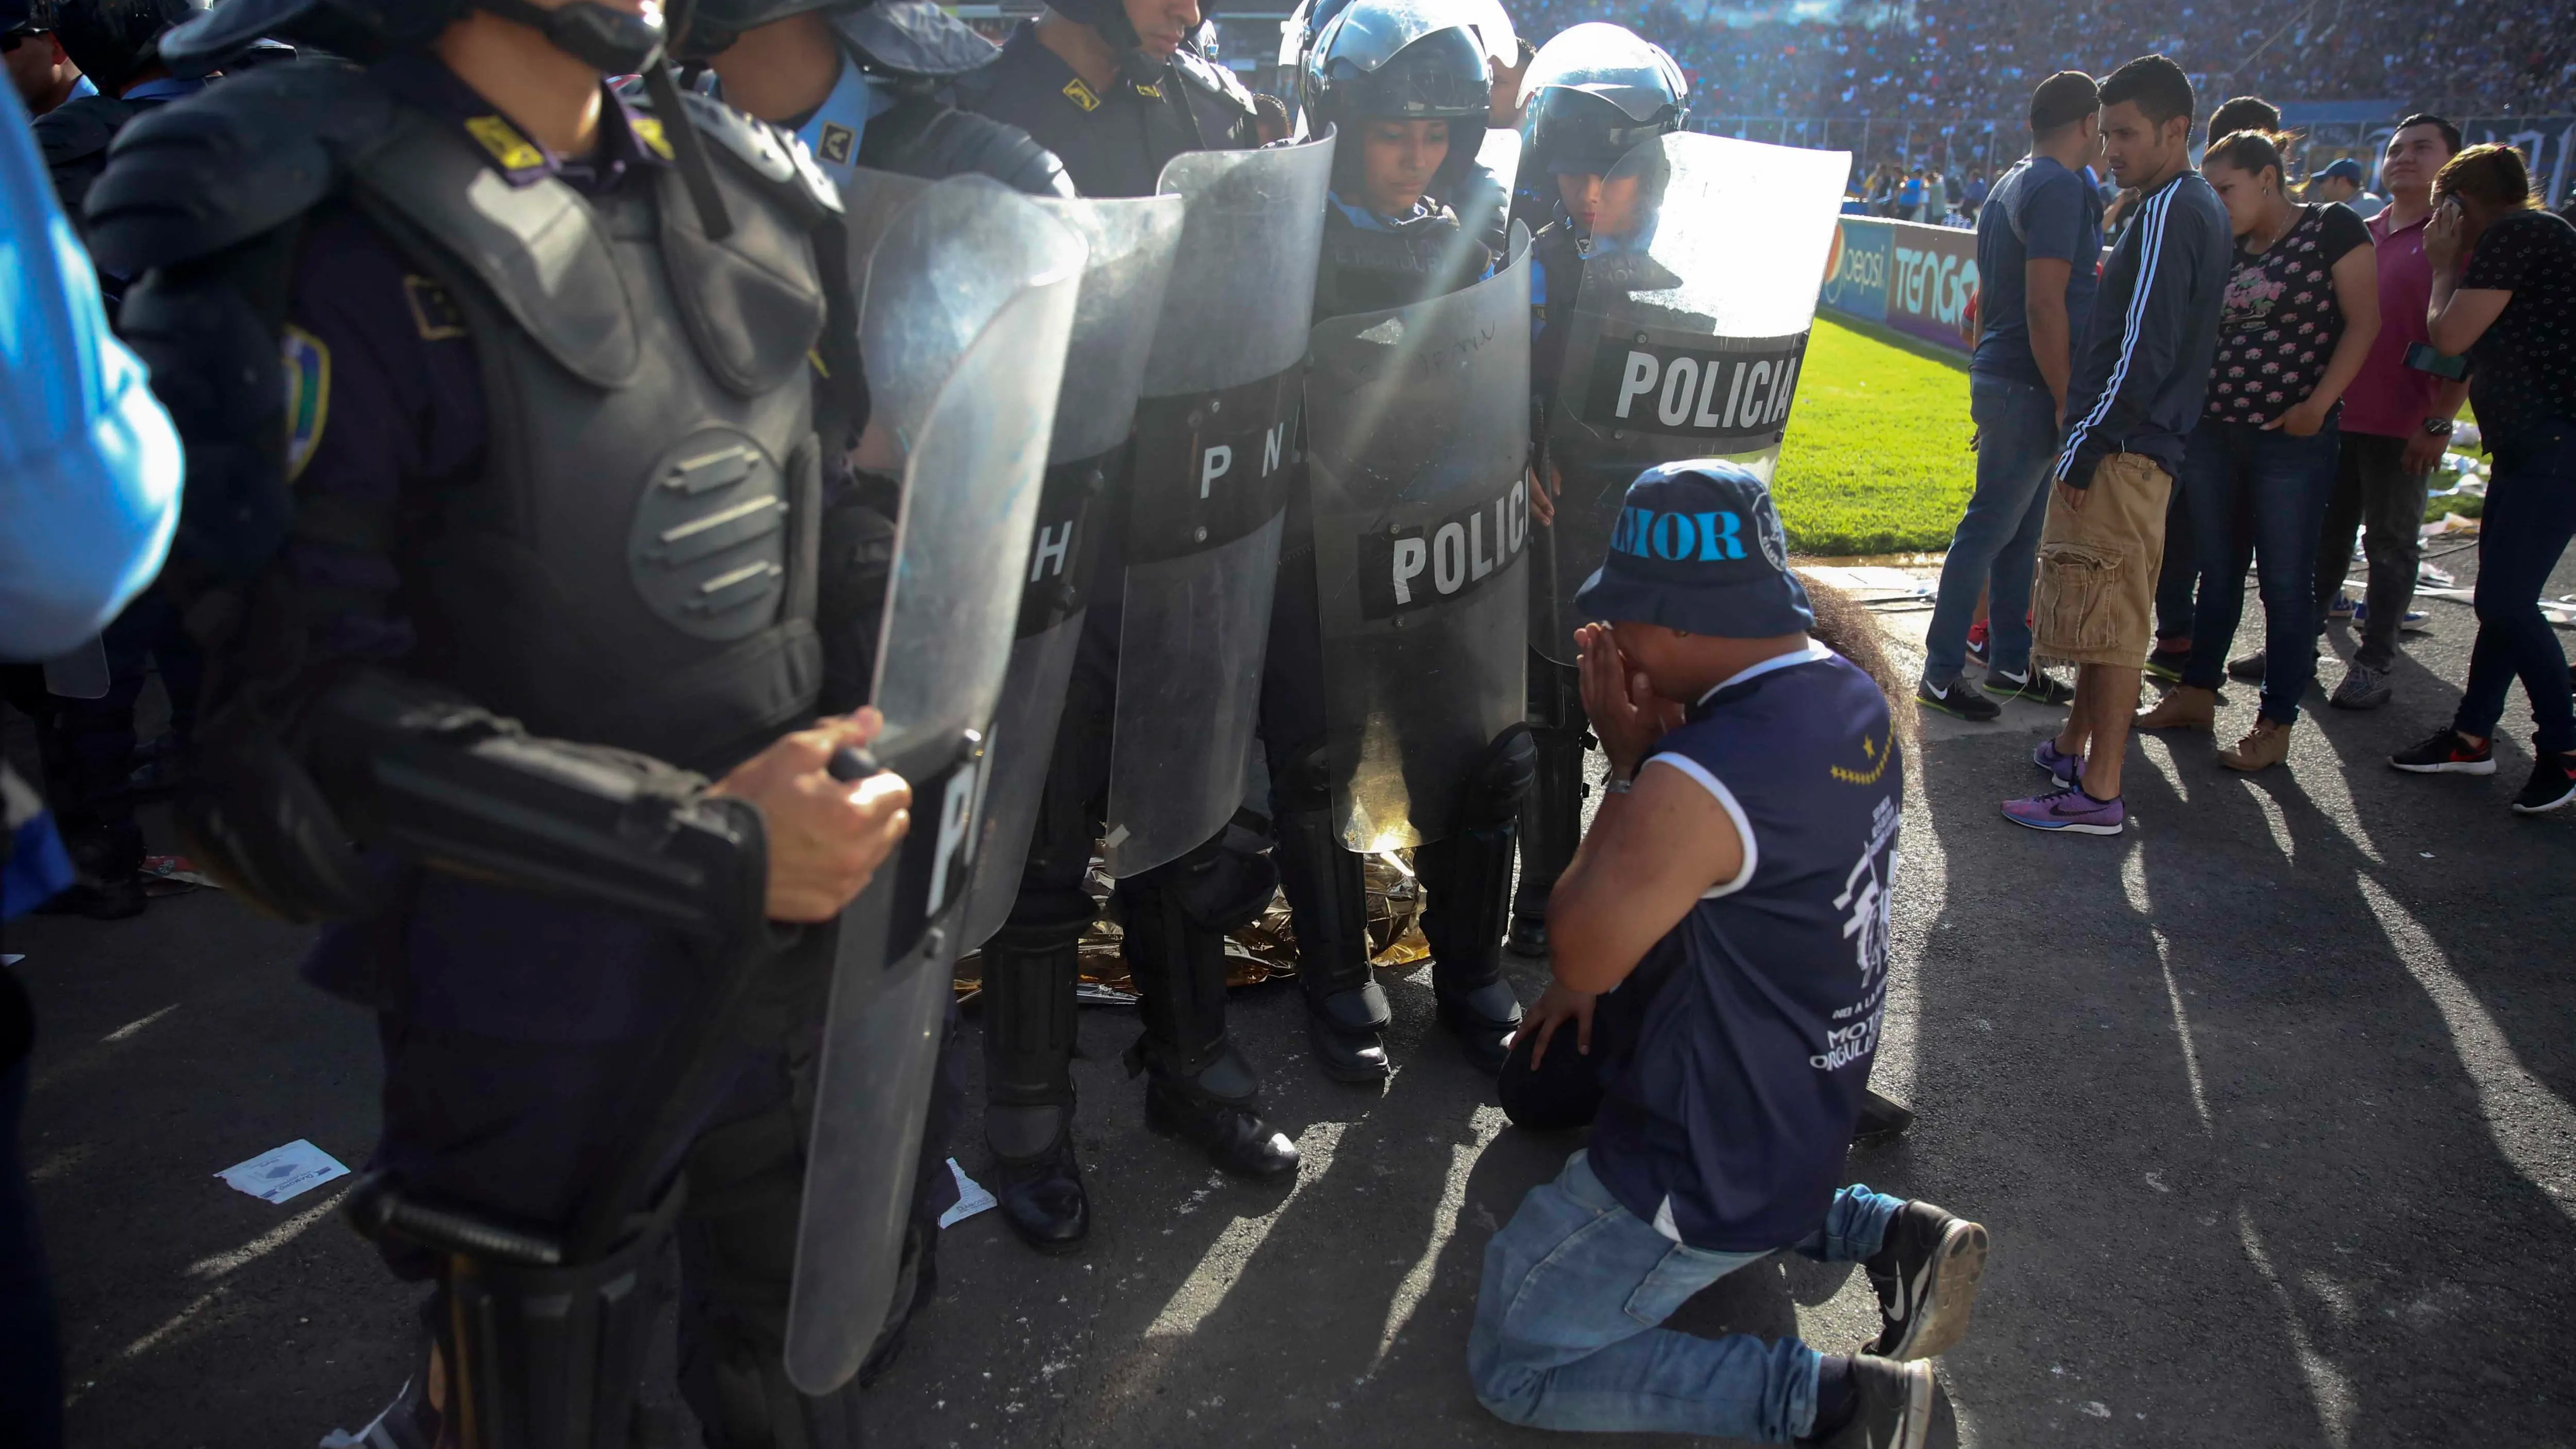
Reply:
x=1726 y=1116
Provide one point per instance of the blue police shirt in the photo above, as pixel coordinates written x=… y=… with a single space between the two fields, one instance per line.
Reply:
x=1726 y=1117
x=2038 y=209
x=89 y=464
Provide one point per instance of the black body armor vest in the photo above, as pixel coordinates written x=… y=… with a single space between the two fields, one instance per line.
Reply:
x=635 y=565
x=1366 y=270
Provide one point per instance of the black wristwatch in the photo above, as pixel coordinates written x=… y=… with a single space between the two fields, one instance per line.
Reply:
x=2440 y=427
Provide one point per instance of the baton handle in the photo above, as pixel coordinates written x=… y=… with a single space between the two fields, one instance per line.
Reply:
x=850 y=764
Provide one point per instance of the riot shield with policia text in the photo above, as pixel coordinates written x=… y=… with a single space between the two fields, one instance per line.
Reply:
x=1132 y=242
x=1216 y=442
x=1699 y=287
x=1416 y=445
x=967 y=305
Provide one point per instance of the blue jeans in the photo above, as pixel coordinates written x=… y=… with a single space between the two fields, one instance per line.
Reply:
x=1567 y=1337
x=2259 y=497
x=2530 y=515
x=1998 y=537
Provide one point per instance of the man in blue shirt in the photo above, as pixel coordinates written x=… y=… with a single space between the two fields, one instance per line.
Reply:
x=2038 y=240
x=1734 y=889
x=1909 y=196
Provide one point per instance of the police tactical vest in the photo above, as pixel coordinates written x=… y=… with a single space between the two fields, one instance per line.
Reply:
x=1366 y=270
x=636 y=564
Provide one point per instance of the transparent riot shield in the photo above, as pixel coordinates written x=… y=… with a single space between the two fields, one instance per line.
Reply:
x=968 y=302
x=1417 y=434
x=1698 y=291
x=1216 y=446
x=1132 y=242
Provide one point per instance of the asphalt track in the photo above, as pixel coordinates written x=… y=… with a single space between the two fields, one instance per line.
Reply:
x=2270 y=1105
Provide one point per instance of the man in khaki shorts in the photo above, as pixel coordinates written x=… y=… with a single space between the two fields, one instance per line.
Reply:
x=2136 y=392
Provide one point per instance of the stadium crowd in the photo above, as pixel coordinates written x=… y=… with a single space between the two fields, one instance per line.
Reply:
x=1957 y=61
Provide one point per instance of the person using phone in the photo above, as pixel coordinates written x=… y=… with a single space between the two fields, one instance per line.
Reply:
x=2504 y=294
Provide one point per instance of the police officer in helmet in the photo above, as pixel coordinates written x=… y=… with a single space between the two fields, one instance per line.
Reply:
x=498 y=537
x=1114 y=89
x=866 y=83
x=1405 y=85
x=1595 y=92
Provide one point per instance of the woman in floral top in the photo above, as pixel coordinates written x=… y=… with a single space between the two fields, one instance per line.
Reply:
x=2297 y=320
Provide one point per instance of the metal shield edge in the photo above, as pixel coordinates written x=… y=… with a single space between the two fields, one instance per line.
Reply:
x=971 y=435
x=1708 y=278
x=1417 y=680
x=1196 y=614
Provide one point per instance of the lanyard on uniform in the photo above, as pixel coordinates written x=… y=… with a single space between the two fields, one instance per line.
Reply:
x=836 y=127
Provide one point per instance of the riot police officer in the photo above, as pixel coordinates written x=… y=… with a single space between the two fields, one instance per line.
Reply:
x=117 y=44
x=501 y=527
x=1594 y=93
x=1113 y=88
x=1178 y=600
x=1405 y=85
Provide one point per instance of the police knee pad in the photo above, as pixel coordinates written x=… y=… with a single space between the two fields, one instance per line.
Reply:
x=539 y=1351
x=1222 y=884
x=1502 y=780
x=1302 y=779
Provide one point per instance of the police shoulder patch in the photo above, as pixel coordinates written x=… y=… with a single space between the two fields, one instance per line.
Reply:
x=648 y=129
x=1081 y=94
x=511 y=150
x=1151 y=93
x=432 y=311
x=837 y=143
x=308 y=396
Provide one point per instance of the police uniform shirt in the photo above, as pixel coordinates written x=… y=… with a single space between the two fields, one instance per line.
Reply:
x=1725 y=1120
x=1113 y=142
x=385 y=409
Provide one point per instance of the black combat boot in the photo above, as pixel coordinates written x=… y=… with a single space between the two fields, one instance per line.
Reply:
x=1198 y=1088
x=1345 y=1008
x=1551 y=822
x=1466 y=887
x=1029 y=1034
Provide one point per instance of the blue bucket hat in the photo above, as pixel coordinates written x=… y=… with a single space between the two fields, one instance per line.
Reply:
x=1698 y=547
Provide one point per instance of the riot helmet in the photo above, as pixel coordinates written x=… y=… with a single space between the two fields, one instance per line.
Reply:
x=1398 y=60
x=113 y=41
x=1594 y=94
x=1110 y=18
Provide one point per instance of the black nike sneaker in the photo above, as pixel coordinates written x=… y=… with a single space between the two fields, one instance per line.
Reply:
x=1892 y=1408
x=1958 y=698
x=2035 y=686
x=1926 y=1273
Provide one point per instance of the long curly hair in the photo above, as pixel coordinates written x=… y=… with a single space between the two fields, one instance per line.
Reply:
x=1846 y=626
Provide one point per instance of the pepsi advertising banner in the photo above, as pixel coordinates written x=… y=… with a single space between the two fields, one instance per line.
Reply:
x=1917 y=279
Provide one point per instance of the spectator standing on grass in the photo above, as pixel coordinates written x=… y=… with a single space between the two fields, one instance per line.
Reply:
x=2341 y=182
x=2037 y=245
x=2301 y=311
x=1732 y=897
x=2396 y=421
x=2178 y=580
x=1973 y=198
x=2137 y=390
x=2504 y=294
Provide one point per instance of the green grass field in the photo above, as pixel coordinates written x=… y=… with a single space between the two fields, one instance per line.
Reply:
x=1877 y=458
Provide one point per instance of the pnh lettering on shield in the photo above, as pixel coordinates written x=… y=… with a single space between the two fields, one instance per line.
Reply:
x=1673 y=537
x=1217 y=461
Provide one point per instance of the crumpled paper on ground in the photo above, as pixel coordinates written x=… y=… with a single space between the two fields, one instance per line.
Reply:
x=1263 y=950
